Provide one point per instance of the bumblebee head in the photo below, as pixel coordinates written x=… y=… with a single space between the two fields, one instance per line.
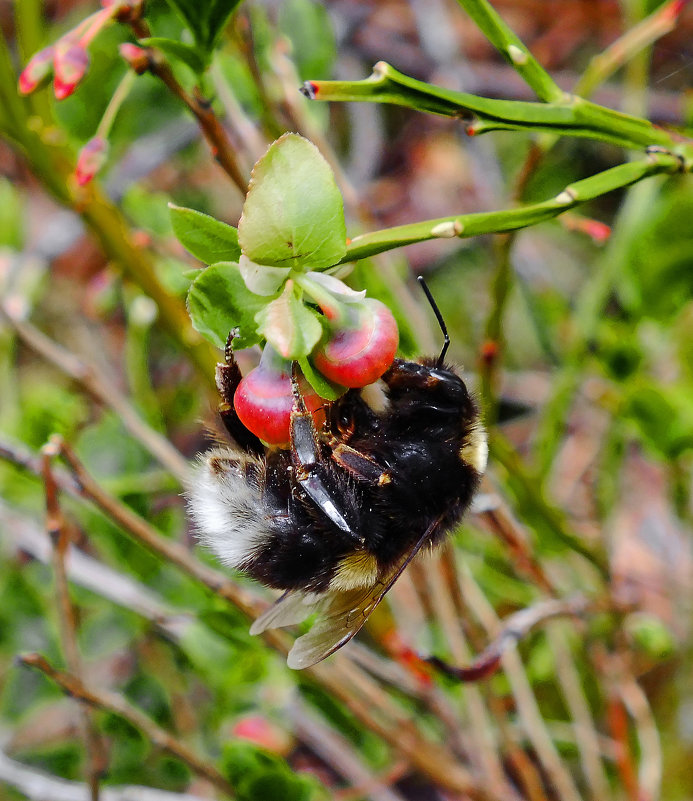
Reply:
x=429 y=394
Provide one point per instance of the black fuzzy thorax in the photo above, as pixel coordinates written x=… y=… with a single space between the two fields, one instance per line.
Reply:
x=417 y=440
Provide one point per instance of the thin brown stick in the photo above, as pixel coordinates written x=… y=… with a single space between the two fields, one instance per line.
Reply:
x=527 y=706
x=59 y=534
x=483 y=746
x=586 y=734
x=97 y=385
x=116 y=704
x=501 y=521
x=212 y=129
x=525 y=770
x=515 y=627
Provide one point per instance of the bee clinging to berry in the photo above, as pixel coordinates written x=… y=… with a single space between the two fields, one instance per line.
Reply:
x=334 y=518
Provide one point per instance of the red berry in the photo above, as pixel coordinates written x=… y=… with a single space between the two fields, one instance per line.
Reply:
x=358 y=354
x=264 y=399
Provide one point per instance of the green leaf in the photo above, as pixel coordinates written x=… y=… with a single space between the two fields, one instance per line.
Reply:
x=206 y=19
x=288 y=325
x=261 y=279
x=323 y=386
x=219 y=300
x=293 y=215
x=209 y=240
x=188 y=54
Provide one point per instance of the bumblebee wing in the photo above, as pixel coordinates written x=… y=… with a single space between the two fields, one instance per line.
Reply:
x=343 y=613
x=291 y=607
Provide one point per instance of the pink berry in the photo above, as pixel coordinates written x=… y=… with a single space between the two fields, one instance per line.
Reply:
x=358 y=354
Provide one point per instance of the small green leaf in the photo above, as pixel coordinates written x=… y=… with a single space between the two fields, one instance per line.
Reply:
x=206 y=20
x=209 y=240
x=293 y=214
x=188 y=54
x=219 y=300
x=323 y=386
x=291 y=328
x=261 y=279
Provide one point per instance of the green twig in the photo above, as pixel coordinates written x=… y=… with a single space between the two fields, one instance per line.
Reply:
x=122 y=91
x=53 y=165
x=466 y=225
x=574 y=116
x=513 y=50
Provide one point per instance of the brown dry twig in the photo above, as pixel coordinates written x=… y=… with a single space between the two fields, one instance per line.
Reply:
x=116 y=704
x=59 y=534
x=201 y=108
x=515 y=627
x=97 y=385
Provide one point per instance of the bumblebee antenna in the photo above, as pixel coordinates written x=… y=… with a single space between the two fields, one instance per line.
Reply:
x=439 y=317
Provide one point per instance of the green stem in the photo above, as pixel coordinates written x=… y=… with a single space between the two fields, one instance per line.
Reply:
x=466 y=225
x=53 y=165
x=574 y=116
x=513 y=50
x=119 y=96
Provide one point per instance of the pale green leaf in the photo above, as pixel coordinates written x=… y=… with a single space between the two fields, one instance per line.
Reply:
x=293 y=215
x=209 y=240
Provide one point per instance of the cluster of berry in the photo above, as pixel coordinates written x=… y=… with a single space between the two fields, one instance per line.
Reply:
x=360 y=345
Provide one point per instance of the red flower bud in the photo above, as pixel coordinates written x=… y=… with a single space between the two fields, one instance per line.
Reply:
x=37 y=71
x=136 y=57
x=360 y=351
x=91 y=159
x=71 y=62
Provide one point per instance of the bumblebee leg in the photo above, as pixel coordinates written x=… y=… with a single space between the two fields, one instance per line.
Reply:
x=362 y=467
x=309 y=465
x=228 y=377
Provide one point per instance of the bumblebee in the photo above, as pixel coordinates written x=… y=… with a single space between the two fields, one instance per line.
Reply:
x=334 y=519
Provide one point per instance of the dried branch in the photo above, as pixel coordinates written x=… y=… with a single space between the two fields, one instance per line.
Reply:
x=586 y=734
x=117 y=705
x=209 y=123
x=527 y=707
x=484 y=744
x=97 y=385
x=515 y=627
x=59 y=534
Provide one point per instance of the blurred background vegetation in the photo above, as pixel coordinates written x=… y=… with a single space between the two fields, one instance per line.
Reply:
x=579 y=334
